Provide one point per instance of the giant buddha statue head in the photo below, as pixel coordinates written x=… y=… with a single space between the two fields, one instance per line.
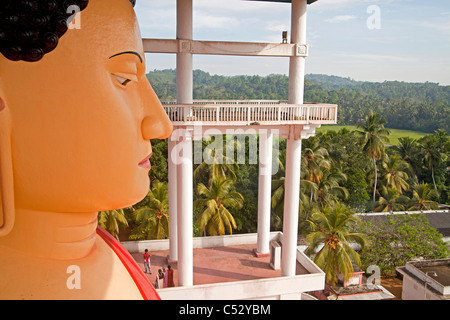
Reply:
x=76 y=116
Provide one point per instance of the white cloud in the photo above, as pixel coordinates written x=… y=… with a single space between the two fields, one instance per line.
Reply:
x=340 y=4
x=208 y=21
x=441 y=27
x=338 y=19
x=368 y=57
x=239 y=6
x=277 y=26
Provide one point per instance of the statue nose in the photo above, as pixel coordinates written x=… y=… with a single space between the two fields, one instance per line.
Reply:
x=156 y=126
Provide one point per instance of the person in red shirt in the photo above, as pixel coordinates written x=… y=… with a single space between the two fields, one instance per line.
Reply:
x=147 y=256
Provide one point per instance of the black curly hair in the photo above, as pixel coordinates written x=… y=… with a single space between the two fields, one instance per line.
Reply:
x=31 y=28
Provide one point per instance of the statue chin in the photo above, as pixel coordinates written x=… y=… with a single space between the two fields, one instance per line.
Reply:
x=76 y=116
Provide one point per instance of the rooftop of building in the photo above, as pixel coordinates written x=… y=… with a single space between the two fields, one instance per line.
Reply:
x=438 y=219
x=434 y=273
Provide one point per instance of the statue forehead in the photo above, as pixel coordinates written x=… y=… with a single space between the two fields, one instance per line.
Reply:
x=31 y=28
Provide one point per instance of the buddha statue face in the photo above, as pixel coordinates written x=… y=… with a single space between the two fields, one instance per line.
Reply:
x=75 y=126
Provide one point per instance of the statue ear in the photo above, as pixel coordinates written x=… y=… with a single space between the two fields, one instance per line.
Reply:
x=7 y=208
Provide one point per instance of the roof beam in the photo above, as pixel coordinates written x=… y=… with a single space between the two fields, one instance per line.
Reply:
x=225 y=48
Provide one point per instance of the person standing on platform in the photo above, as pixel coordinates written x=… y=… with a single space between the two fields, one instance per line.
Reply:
x=166 y=277
x=147 y=256
x=170 y=277
x=160 y=279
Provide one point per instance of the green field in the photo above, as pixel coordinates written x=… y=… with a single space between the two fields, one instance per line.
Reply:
x=393 y=137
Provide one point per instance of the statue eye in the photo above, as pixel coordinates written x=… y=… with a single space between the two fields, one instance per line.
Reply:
x=121 y=80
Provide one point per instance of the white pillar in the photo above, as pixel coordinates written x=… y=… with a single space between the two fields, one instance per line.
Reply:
x=291 y=202
x=185 y=167
x=184 y=57
x=172 y=168
x=185 y=264
x=297 y=64
x=293 y=147
x=264 y=192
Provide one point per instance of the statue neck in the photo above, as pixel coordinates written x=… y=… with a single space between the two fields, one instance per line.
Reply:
x=52 y=235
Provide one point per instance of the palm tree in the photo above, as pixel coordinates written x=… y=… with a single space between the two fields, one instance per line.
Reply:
x=422 y=195
x=408 y=150
x=216 y=163
x=314 y=160
x=215 y=216
x=333 y=230
x=329 y=189
x=442 y=139
x=154 y=220
x=390 y=200
x=393 y=172
x=277 y=199
x=111 y=220
x=373 y=136
x=433 y=155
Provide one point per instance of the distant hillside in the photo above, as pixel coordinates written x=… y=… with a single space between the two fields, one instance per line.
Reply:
x=331 y=82
x=413 y=106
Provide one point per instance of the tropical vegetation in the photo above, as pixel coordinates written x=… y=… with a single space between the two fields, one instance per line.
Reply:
x=332 y=234
x=342 y=171
x=399 y=239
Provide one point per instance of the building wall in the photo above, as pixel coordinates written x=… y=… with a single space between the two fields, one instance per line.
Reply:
x=413 y=290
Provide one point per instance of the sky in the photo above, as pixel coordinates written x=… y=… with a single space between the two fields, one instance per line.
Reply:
x=366 y=40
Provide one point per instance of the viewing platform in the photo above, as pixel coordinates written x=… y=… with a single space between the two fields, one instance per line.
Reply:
x=249 y=112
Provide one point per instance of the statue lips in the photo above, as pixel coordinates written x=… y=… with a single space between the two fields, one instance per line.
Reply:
x=146 y=163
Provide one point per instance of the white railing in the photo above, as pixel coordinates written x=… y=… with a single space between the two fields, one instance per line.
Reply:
x=248 y=112
x=229 y=102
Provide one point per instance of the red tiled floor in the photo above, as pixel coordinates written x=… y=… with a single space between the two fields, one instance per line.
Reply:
x=220 y=264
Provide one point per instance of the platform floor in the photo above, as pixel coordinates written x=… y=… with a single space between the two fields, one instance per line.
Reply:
x=219 y=264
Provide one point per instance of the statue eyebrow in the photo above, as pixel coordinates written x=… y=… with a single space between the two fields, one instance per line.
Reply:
x=127 y=52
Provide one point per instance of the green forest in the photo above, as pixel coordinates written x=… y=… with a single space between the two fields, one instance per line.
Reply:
x=342 y=172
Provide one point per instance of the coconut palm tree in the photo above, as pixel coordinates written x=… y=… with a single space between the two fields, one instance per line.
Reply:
x=218 y=198
x=330 y=241
x=433 y=155
x=329 y=188
x=373 y=136
x=422 y=197
x=277 y=200
x=394 y=172
x=153 y=220
x=408 y=149
x=391 y=200
x=111 y=221
x=216 y=162
x=315 y=160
